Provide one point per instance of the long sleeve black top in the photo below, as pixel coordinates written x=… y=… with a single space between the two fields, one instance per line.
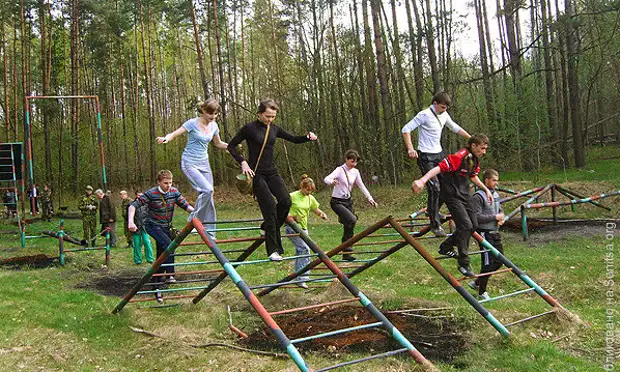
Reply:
x=254 y=135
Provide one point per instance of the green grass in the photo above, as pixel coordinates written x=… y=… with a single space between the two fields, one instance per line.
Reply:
x=51 y=324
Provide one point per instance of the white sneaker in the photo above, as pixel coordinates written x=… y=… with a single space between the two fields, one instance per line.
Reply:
x=171 y=280
x=275 y=257
x=302 y=285
x=485 y=296
x=472 y=284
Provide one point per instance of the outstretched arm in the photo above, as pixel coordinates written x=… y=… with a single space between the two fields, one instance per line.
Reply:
x=418 y=185
x=476 y=181
x=295 y=139
x=170 y=136
x=320 y=213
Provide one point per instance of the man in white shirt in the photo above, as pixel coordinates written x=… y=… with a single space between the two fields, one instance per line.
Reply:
x=431 y=123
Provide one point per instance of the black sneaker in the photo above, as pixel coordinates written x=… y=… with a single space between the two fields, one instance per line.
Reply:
x=466 y=270
x=447 y=251
x=348 y=257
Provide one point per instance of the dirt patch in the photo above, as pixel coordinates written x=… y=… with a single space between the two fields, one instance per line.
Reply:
x=37 y=261
x=113 y=284
x=545 y=231
x=436 y=338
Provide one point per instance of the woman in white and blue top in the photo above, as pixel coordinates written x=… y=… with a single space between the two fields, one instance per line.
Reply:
x=195 y=159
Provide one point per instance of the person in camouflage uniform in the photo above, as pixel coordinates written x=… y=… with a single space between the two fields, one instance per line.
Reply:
x=46 y=202
x=88 y=205
x=125 y=201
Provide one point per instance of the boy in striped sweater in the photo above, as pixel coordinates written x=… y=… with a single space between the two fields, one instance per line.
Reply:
x=160 y=201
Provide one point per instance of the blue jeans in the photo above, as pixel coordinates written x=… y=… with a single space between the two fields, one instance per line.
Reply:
x=161 y=234
x=201 y=178
x=301 y=248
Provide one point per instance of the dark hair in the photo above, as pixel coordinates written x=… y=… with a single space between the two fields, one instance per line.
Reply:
x=478 y=139
x=307 y=182
x=490 y=173
x=442 y=98
x=164 y=174
x=267 y=104
x=352 y=154
x=210 y=106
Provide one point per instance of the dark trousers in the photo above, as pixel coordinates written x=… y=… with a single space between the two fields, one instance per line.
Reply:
x=489 y=262
x=266 y=187
x=426 y=162
x=162 y=238
x=346 y=216
x=112 y=226
x=465 y=221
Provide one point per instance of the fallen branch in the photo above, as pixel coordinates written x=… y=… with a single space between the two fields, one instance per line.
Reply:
x=211 y=344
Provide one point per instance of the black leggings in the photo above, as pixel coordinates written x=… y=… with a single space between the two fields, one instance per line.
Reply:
x=489 y=262
x=266 y=187
x=346 y=216
x=426 y=162
x=466 y=222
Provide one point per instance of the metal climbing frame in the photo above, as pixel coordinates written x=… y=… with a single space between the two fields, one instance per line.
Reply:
x=28 y=136
x=230 y=270
x=412 y=239
x=9 y=173
x=531 y=203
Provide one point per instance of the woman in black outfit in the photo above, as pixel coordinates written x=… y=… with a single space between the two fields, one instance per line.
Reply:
x=267 y=183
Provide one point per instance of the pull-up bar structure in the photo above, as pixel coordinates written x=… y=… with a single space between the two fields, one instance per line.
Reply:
x=28 y=135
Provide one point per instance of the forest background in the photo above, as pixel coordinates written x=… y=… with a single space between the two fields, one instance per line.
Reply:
x=541 y=82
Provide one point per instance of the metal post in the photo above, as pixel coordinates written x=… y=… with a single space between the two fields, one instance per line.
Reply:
x=524 y=223
x=61 y=243
x=555 y=212
x=107 y=247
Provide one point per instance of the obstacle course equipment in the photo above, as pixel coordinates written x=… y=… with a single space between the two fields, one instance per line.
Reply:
x=230 y=270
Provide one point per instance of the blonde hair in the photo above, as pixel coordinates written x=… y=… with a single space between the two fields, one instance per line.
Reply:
x=307 y=183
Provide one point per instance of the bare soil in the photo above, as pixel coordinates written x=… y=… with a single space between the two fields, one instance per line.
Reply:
x=437 y=339
x=37 y=261
x=542 y=231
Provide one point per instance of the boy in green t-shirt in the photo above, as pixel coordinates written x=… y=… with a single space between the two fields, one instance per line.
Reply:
x=302 y=204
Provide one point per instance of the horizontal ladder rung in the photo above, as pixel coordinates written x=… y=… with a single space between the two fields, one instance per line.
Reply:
x=376 y=356
x=485 y=274
x=292 y=282
x=379 y=242
x=190 y=272
x=171 y=290
x=268 y=260
x=163 y=298
x=288 y=311
x=529 y=318
x=508 y=295
x=337 y=332
x=185 y=281
x=190 y=263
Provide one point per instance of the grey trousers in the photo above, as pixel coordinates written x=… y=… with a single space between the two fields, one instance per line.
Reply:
x=201 y=178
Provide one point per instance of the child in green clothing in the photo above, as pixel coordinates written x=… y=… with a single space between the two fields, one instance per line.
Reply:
x=302 y=204
x=140 y=237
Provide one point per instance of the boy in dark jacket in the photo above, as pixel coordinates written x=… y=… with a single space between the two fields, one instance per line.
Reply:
x=457 y=170
x=490 y=218
x=107 y=215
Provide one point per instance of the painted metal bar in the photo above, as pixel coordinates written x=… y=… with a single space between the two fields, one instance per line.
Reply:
x=485 y=274
x=224 y=274
x=468 y=253
x=520 y=195
x=356 y=361
x=530 y=318
x=170 y=290
x=415 y=214
x=279 y=284
x=190 y=263
x=184 y=281
x=578 y=196
x=284 y=342
x=452 y=281
x=207 y=252
x=379 y=242
x=150 y=298
x=555 y=209
x=354 y=239
x=352 y=288
x=233 y=221
x=520 y=274
x=288 y=311
x=61 y=243
x=569 y=197
x=574 y=201
x=153 y=269
x=508 y=295
x=536 y=196
x=85 y=249
x=377 y=259
x=337 y=332
x=506 y=190
x=190 y=272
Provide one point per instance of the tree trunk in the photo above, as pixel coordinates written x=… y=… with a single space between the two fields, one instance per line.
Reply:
x=200 y=56
x=572 y=53
x=430 y=42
